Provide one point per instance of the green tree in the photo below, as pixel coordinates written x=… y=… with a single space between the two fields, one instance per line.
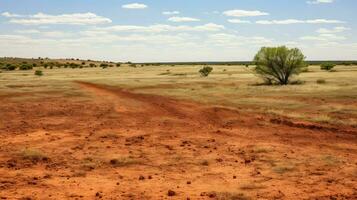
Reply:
x=276 y=65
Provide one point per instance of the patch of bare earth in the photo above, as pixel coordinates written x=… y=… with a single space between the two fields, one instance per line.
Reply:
x=122 y=145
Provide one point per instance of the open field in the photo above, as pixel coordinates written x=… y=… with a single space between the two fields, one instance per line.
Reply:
x=164 y=132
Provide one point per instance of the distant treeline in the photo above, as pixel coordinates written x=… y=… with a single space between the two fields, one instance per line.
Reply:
x=245 y=63
x=78 y=63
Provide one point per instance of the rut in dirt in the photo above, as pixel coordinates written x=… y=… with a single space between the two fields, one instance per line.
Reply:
x=156 y=106
x=150 y=106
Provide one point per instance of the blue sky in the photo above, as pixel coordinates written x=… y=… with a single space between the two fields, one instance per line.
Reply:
x=176 y=30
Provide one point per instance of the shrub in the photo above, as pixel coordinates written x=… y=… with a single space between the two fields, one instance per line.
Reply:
x=92 y=65
x=33 y=155
x=118 y=64
x=10 y=67
x=320 y=81
x=25 y=67
x=205 y=71
x=327 y=66
x=103 y=65
x=7 y=67
x=73 y=65
x=276 y=65
x=38 y=73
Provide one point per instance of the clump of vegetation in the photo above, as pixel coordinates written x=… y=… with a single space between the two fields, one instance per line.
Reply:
x=118 y=64
x=104 y=65
x=251 y=186
x=74 y=65
x=276 y=65
x=8 y=67
x=205 y=71
x=320 y=81
x=204 y=162
x=89 y=164
x=38 y=73
x=33 y=155
x=327 y=66
x=283 y=169
x=226 y=195
x=92 y=65
x=122 y=161
x=330 y=160
x=25 y=67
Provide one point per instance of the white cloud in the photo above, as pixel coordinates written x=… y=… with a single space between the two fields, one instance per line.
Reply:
x=51 y=34
x=7 y=14
x=239 y=21
x=157 y=28
x=324 y=37
x=224 y=39
x=28 y=31
x=296 y=21
x=71 y=19
x=134 y=6
x=320 y=1
x=183 y=19
x=324 y=21
x=244 y=13
x=55 y=34
x=170 y=12
x=338 y=29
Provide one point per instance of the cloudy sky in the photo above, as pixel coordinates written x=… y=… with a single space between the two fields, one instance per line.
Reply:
x=176 y=30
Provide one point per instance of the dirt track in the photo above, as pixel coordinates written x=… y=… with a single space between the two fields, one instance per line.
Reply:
x=122 y=145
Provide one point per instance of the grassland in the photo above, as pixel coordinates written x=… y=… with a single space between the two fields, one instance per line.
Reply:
x=332 y=101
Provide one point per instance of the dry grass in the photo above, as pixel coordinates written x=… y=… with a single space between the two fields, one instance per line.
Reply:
x=123 y=161
x=33 y=154
x=282 y=169
x=251 y=186
x=229 y=86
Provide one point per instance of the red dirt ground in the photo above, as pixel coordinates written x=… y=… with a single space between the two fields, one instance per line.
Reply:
x=121 y=145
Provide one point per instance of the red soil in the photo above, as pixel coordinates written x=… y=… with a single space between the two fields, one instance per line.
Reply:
x=122 y=145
